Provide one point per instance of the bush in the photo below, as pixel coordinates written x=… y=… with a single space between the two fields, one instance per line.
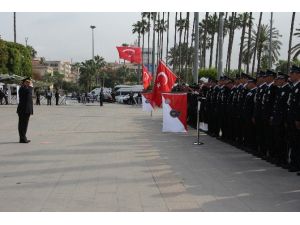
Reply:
x=211 y=73
x=15 y=59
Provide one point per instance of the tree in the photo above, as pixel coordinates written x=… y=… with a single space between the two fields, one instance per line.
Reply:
x=256 y=43
x=296 y=49
x=15 y=59
x=260 y=42
x=168 y=31
x=290 y=40
x=180 y=27
x=32 y=51
x=212 y=30
x=281 y=65
x=244 y=18
x=248 y=58
x=184 y=50
x=204 y=41
x=90 y=70
x=148 y=16
x=15 y=28
x=234 y=24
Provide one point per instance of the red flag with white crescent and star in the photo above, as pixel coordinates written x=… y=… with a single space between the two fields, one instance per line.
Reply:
x=132 y=54
x=147 y=77
x=165 y=79
x=174 y=112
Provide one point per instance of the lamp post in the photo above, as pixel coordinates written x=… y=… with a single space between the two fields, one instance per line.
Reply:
x=92 y=27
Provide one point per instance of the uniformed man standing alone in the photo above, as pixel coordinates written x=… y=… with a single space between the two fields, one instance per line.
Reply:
x=25 y=108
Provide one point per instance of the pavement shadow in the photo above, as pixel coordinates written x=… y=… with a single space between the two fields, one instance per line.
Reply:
x=219 y=176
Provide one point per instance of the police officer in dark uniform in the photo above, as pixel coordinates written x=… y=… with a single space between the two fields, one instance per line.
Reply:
x=101 y=97
x=258 y=115
x=241 y=95
x=278 y=120
x=267 y=108
x=25 y=108
x=214 y=106
x=247 y=115
x=209 y=105
x=226 y=105
x=293 y=120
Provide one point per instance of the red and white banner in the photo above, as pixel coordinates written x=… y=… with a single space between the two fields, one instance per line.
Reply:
x=164 y=81
x=147 y=102
x=174 y=112
x=131 y=54
x=147 y=77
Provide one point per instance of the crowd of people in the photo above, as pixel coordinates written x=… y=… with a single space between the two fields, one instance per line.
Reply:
x=260 y=115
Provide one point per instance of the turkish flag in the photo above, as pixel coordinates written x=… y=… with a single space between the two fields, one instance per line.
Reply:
x=164 y=81
x=132 y=54
x=174 y=112
x=147 y=77
x=147 y=102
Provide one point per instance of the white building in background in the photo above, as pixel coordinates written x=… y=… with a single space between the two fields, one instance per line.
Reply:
x=63 y=67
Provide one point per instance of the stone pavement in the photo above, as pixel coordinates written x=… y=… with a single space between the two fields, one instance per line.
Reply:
x=83 y=158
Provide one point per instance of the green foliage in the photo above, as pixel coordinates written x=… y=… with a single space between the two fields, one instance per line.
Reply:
x=282 y=65
x=212 y=73
x=15 y=59
x=69 y=86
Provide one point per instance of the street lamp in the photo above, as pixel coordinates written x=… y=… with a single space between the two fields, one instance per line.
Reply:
x=92 y=27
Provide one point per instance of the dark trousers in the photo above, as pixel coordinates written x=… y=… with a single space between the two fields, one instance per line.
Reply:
x=101 y=102
x=38 y=102
x=48 y=101
x=57 y=99
x=294 y=147
x=6 y=100
x=22 y=126
x=280 y=144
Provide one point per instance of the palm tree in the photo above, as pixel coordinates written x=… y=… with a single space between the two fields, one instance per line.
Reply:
x=243 y=17
x=168 y=30
x=148 y=16
x=256 y=43
x=249 y=42
x=290 y=41
x=204 y=40
x=260 y=42
x=175 y=35
x=137 y=28
x=144 y=29
x=181 y=25
x=187 y=27
x=296 y=49
x=234 y=24
x=15 y=28
x=212 y=29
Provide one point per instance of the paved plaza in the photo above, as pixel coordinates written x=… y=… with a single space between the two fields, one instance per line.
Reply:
x=115 y=158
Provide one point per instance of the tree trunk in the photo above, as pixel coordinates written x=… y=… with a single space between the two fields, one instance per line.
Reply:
x=242 y=41
x=249 y=42
x=204 y=41
x=15 y=28
x=259 y=50
x=180 y=35
x=167 y=49
x=187 y=46
x=227 y=67
x=290 y=41
x=158 y=38
x=149 y=19
x=174 y=64
x=256 y=43
x=217 y=47
x=212 y=42
x=162 y=36
x=231 y=43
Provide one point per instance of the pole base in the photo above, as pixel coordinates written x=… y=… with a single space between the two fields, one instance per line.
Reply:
x=198 y=143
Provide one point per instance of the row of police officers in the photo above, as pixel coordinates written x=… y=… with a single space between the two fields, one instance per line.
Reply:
x=260 y=115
